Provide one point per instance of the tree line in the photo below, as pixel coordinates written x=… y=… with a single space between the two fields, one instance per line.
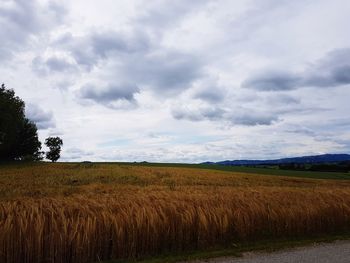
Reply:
x=19 y=139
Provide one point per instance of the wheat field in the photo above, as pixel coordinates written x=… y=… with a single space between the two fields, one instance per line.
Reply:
x=94 y=212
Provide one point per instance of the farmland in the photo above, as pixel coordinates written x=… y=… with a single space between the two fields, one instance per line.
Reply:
x=87 y=212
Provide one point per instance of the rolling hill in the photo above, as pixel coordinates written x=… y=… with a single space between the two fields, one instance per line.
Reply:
x=315 y=159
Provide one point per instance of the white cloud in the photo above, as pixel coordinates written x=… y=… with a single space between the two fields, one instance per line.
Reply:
x=43 y=119
x=114 y=73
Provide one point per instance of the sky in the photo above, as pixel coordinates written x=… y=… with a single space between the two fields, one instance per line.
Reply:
x=181 y=81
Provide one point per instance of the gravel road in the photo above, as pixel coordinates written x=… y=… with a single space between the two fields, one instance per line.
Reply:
x=336 y=252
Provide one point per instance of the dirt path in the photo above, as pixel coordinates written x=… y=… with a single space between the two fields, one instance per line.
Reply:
x=336 y=252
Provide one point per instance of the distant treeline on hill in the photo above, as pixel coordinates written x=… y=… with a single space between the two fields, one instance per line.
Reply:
x=341 y=167
x=322 y=163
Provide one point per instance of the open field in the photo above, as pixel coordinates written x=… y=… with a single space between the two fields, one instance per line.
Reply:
x=252 y=170
x=92 y=212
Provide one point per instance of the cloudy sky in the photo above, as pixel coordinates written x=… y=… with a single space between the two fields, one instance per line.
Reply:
x=181 y=81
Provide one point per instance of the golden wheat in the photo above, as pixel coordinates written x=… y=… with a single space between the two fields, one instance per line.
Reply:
x=113 y=212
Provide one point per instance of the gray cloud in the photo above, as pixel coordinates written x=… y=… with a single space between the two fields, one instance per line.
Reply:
x=43 y=119
x=106 y=42
x=111 y=96
x=52 y=64
x=238 y=116
x=57 y=64
x=166 y=71
x=88 y=50
x=210 y=94
x=162 y=14
x=198 y=114
x=273 y=81
x=336 y=58
x=303 y=131
x=331 y=71
x=21 y=19
x=342 y=75
x=129 y=56
x=250 y=117
x=282 y=100
x=134 y=57
x=332 y=77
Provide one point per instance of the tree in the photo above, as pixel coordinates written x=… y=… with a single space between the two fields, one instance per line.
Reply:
x=54 y=144
x=18 y=135
x=29 y=144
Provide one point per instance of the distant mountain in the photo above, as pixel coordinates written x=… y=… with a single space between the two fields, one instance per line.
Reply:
x=324 y=158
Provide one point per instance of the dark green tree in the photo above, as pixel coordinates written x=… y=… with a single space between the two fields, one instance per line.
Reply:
x=54 y=144
x=29 y=144
x=18 y=136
